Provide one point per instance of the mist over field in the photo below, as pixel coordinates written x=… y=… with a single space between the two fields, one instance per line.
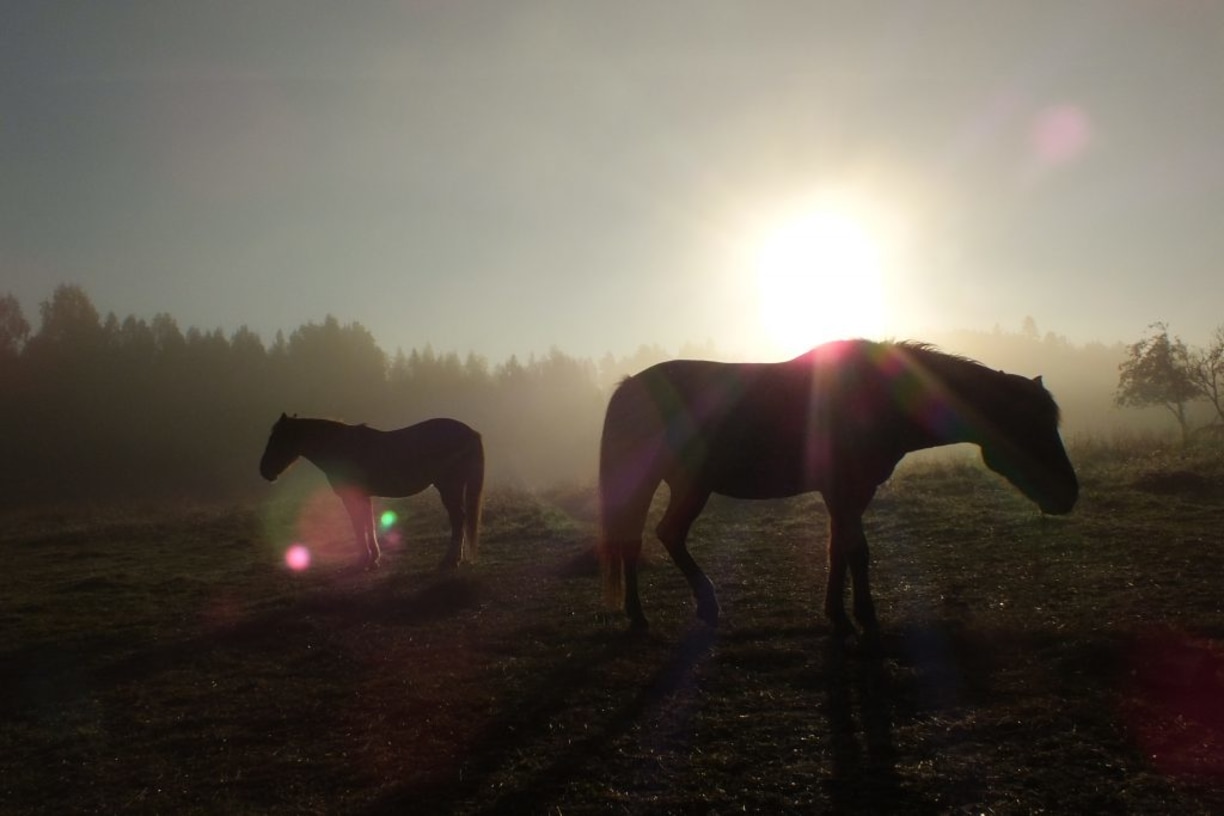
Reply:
x=484 y=211
x=104 y=407
x=196 y=656
x=214 y=214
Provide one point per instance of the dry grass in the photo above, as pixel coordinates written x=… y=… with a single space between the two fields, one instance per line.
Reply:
x=166 y=661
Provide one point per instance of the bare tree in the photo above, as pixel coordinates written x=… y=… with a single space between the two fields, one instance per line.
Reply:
x=1206 y=371
x=1157 y=372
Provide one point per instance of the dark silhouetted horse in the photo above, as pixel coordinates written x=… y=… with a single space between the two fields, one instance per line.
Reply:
x=835 y=420
x=361 y=462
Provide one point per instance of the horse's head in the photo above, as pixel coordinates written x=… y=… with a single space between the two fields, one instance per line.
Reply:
x=1022 y=445
x=281 y=450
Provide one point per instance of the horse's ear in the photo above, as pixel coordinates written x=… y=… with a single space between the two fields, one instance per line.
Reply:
x=283 y=417
x=1037 y=380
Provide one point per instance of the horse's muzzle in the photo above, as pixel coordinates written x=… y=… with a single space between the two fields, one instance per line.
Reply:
x=1060 y=505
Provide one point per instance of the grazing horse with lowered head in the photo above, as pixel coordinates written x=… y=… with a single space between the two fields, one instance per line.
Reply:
x=835 y=420
x=361 y=462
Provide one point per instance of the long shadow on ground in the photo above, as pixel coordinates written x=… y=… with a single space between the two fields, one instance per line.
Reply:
x=525 y=726
x=46 y=676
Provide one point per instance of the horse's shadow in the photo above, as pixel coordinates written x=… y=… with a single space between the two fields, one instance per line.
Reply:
x=862 y=701
x=440 y=597
x=337 y=606
x=529 y=721
x=862 y=698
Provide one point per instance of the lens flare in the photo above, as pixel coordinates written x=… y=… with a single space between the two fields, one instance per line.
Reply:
x=387 y=519
x=1174 y=706
x=297 y=558
x=1061 y=134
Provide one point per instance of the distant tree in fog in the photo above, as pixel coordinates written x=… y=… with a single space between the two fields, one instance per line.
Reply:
x=334 y=369
x=68 y=318
x=1157 y=371
x=14 y=330
x=1207 y=372
x=63 y=355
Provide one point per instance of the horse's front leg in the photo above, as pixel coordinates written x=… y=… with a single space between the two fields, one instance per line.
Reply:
x=848 y=551
x=860 y=559
x=362 y=517
x=835 y=587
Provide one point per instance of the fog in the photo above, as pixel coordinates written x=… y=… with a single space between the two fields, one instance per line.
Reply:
x=509 y=177
x=109 y=408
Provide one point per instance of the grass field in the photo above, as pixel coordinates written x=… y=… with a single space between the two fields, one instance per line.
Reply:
x=166 y=660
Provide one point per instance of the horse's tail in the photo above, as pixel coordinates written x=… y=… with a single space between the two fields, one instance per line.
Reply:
x=626 y=482
x=610 y=552
x=473 y=498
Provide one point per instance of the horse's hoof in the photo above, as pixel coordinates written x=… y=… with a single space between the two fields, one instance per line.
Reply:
x=638 y=626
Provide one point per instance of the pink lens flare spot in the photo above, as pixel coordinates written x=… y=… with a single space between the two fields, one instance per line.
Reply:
x=297 y=558
x=387 y=519
x=1060 y=134
x=1172 y=703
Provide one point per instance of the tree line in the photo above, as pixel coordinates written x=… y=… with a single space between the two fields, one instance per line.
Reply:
x=107 y=407
x=96 y=406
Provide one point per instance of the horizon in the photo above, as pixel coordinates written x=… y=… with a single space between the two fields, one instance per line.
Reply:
x=1029 y=329
x=509 y=179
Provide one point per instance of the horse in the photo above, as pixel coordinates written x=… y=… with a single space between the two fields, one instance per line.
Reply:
x=361 y=462
x=834 y=420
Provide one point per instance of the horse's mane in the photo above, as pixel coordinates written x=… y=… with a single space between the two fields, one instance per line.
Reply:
x=930 y=351
x=319 y=423
x=944 y=364
x=927 y=354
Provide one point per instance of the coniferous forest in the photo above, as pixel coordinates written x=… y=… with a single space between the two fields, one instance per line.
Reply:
x=103 y=407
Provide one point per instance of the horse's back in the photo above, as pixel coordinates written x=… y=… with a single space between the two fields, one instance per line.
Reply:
x=764 y=430
x=441 y=440
x=733 y=428
x=407 y=460
x=439 y=430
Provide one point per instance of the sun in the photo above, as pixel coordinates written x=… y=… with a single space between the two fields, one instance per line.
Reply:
x=819 y=276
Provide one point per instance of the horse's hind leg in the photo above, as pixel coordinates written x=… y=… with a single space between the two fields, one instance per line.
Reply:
x=362 y=517
x=452 y=500
x=622 y=521
x=682 y=510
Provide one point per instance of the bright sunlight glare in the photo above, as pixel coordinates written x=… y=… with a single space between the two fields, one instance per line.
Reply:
x=819 y=278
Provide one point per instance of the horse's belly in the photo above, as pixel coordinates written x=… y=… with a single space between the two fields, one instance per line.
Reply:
x=381 y=485
x=763 y=479
x=760 y=491
x=403 y=487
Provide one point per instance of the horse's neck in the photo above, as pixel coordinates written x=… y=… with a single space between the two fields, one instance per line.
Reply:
x=319 y=444
x=957 y=399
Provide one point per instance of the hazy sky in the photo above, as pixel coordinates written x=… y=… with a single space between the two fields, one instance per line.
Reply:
x=502 y=177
